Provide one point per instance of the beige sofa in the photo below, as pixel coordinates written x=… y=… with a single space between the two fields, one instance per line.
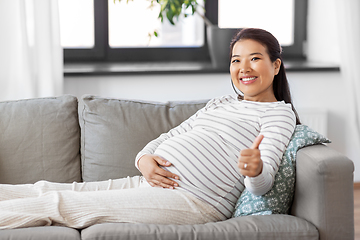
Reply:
x=59 y=140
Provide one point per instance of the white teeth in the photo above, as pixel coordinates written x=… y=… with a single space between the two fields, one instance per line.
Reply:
x=248 y=79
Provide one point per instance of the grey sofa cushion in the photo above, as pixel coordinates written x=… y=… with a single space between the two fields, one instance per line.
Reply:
x=41 y=233
x=114 y=130
x=40 y=139
x=272 y=227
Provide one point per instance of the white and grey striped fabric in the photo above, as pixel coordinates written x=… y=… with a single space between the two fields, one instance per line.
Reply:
x=204 y=149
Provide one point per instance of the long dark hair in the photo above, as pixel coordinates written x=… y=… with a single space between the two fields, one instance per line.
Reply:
x=273 y=48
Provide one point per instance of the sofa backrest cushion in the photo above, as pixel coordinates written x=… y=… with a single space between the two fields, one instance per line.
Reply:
x=40 y=140
x=113 y=131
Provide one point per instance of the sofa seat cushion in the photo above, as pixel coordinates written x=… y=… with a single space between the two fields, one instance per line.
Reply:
x=41 y=233
x=40 y=140
x=271 y=227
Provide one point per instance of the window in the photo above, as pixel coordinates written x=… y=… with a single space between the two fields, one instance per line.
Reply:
x=285 y=19
x=188 y=32
x=77 y=32
x=99 y=30
x=279 y=16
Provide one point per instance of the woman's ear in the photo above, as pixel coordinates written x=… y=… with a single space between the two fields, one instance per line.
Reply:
x=277 y=65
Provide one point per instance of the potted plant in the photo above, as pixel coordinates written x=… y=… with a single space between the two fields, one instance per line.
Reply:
x=218 y=39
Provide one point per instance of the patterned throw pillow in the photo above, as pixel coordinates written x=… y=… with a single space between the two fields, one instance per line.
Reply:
x=278 y=200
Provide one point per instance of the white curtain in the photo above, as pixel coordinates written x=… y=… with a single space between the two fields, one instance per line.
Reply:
x=31 y=57
x=349 y=39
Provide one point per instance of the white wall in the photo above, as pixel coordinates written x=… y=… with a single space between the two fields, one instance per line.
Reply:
x=333 y=93
x=319 y=90
x=152 y=87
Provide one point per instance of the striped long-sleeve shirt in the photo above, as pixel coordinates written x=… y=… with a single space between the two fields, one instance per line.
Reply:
x=204 y=150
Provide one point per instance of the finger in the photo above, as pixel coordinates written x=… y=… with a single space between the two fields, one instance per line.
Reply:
x=161 y=185
x=244 y=172
x=165 y=183
x=247 y=152
x=162 y=161
x=167 y=174
x=245 y=166
x=257 y=142
x=164 y=176
x=166 y=180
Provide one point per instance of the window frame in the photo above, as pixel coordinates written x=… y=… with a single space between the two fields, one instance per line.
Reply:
x=102 y=52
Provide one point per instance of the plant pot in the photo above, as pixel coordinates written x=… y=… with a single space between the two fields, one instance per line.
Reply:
x=219 y=45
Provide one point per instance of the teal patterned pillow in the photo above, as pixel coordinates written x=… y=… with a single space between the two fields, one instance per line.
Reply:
x=278 y=200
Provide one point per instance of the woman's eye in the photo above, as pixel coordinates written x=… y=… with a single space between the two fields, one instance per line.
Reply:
x=235 y=61
x=255 y=58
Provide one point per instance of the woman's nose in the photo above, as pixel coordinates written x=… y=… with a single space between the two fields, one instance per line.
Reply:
x=244 y=67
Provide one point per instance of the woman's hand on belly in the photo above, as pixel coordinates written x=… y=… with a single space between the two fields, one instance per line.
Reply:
x=155 y=175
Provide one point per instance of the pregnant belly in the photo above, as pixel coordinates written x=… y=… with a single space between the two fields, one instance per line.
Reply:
x=202 y=162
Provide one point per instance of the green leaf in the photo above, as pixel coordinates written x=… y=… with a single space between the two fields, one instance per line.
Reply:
x=170 y=17
x=173 y=8
x=177 y=3
x=163 y=4
x=193 y=8
x=161 y=17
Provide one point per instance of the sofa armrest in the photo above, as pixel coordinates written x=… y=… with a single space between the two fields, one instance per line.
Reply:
x=324 y=193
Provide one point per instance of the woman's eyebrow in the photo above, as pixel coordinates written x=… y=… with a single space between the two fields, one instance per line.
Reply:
x=251 y=54
x=256 y=53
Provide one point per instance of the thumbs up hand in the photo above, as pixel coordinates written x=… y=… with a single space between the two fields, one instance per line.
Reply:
x=250 y=163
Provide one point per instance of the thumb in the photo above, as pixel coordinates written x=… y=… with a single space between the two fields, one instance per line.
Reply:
x=257 y=142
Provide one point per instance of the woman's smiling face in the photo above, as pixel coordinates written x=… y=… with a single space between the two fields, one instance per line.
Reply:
x=252 y=71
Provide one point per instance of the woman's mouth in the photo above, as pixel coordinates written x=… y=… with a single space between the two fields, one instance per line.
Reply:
x=248 y=80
